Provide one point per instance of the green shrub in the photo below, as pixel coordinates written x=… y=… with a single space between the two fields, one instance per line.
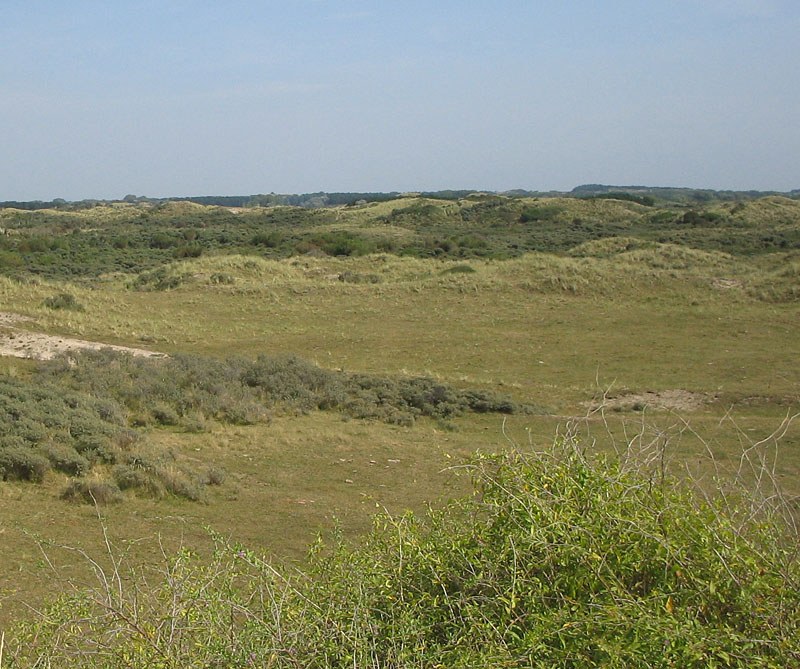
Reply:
x=353 y=277
x=156 y=474
x=181 y=483
x=540 y=213
x=194 y=423
x=162 y=240
x=66 y=459
x=188 y=251
x=242 y=392
x=269 y=239
x=215 y=476
x=10 y=261
x=158 y=279
x=63 y=301
x=459 y=269
x=164 y=414
x=221 y=278
x=343 y=244
x=92 y=492
x=555 y=561
x=18 y=462
x=130 y=477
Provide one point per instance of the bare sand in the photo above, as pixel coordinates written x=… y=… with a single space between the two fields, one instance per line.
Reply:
x=21 y=343
x=669 y=400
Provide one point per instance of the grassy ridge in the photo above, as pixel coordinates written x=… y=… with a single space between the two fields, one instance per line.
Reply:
x=131 y=239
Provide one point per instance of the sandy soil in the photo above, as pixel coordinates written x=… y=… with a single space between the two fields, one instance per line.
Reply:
x=26 y=344
x=670 y=400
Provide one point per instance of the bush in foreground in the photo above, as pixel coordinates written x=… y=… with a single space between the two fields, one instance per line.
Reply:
x=555 y=561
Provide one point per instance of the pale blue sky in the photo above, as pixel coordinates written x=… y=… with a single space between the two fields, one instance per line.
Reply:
x=189 y=97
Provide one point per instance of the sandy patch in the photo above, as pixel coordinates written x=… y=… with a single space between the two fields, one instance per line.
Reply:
x=726 y=284
x=38 y=346
x=664 y=400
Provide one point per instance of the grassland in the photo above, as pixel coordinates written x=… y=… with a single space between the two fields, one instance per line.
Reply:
x=687 y=326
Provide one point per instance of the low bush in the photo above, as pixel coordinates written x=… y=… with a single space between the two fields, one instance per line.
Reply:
x=162 y=278
x=353 y=277
x=238 y=391
x=164 y=414
x=156 y=473
x=215 y=476
x=459 y=269
x=63 y=301
x=92 y=491
x=222 y=278
x=18 y=462
x=66 y=459
x=189 y=251
x=131 y=477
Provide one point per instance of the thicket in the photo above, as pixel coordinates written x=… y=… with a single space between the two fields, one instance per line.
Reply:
x=45 y=425
x=556 y=560
x=170 y=391
x=42 y=426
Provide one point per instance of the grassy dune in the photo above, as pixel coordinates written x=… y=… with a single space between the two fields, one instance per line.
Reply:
x=697 y=347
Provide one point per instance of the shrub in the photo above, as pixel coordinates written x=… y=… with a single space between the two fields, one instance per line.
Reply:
x=63 y=301
x=221 y=278
x=92 y=491
x=268 y=239
x=353 y=277
x=241 y=392
x=130 y=477
x=10 y=260
x=556 y=560
x=18 y=462
x=459 y=269
x=194 y=423
x=181 y=483
x=188 y=251
x=164 y=414
x=539 y=213
x=162 y=240
x=66 y=459
x=343 y=244
x=215 y=476
x=157 y=279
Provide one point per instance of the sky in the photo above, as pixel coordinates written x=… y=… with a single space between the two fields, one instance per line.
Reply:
x=102 y=99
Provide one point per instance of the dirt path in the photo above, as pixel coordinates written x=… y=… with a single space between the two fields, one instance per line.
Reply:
x=25 y=344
